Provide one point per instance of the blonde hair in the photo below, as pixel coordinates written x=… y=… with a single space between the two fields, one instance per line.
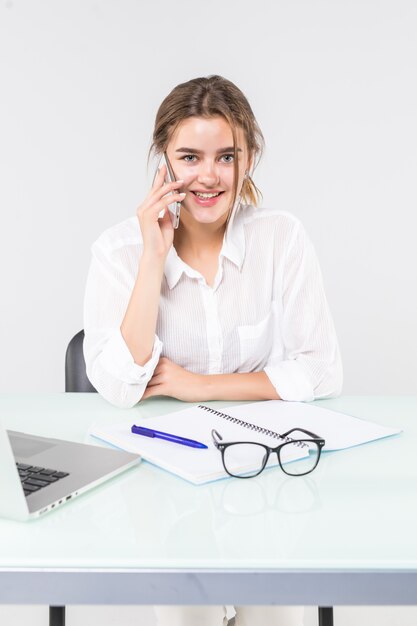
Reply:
x=207 y=97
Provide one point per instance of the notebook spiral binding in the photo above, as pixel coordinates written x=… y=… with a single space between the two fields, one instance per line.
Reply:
x=254 y=427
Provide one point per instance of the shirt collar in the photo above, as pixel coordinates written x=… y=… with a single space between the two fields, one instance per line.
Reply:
x=175 y=268
x=233 y=248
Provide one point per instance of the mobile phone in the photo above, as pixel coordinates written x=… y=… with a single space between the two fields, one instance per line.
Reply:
x=174 y=208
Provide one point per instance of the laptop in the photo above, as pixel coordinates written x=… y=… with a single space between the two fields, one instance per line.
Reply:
x=38 y=474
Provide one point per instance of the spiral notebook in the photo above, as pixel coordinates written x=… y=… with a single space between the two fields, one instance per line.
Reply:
x=261 y=422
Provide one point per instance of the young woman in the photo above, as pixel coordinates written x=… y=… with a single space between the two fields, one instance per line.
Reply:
x=228 y=306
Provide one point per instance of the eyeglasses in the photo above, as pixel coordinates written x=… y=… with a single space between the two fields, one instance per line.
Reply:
x=253 y=457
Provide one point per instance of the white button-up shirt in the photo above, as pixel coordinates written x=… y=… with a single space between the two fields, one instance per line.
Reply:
x=266 y=311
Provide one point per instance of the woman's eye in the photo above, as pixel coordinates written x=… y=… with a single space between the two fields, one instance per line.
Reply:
x=228 y=158
x=188 y=158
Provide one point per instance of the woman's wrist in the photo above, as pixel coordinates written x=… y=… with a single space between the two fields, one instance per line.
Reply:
x=152 y=261
x=205 y=387
x=246 y=386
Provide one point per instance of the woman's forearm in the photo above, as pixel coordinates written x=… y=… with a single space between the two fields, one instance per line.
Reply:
x=251 y=386
x=139 y=323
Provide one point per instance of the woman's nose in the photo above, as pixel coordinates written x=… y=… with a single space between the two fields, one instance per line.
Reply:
x=208 y=173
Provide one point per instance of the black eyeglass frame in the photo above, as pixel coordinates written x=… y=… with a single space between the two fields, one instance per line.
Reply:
x=312 y=438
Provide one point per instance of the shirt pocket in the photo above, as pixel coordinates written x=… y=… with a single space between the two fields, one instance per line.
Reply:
x=255 y=344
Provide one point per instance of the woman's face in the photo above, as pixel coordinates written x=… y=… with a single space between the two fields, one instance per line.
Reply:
x=201 y=154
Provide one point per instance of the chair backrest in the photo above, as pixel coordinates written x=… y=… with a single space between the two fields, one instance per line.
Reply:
x=75 y=374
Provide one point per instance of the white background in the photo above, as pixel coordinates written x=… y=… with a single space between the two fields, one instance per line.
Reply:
x=333 y=86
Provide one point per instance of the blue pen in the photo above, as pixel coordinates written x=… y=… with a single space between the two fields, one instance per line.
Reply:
x=148 y=432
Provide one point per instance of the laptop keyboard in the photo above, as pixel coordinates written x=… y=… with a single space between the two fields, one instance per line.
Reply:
x=34 y=478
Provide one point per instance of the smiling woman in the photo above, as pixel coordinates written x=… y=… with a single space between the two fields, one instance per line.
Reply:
x=178 y=312
x=228 y=306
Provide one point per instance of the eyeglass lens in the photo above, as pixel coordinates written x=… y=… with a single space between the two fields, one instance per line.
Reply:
x=246 y=459
x=301 y=466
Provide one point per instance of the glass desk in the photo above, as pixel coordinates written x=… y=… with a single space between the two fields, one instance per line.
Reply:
x=346 y=534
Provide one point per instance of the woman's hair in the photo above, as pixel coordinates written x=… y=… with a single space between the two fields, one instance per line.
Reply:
x=208 y=97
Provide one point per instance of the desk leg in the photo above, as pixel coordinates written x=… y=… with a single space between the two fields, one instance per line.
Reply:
x=325 y=616
x=57 y=616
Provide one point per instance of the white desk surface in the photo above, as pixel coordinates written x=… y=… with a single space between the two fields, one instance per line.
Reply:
x=352 y=522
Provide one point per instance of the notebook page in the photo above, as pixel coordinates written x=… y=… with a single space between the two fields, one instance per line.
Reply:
x=338 y=429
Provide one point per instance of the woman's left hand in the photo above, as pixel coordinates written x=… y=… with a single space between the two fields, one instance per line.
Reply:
x=170 y=379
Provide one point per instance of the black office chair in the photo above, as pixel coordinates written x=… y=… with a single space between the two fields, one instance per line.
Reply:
x=75 y=375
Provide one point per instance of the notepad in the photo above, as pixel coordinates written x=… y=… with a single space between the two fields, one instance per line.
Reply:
x=262 y=422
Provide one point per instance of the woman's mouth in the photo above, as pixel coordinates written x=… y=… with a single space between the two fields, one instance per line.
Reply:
x=206 y=198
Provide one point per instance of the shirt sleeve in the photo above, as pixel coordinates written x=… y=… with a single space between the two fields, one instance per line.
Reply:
x=109 y=364
x=306 y=365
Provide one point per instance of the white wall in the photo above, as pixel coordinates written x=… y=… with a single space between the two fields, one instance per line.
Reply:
x=333 y=85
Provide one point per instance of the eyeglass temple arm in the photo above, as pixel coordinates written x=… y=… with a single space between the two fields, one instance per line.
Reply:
x=216 y=436
x=301 y=430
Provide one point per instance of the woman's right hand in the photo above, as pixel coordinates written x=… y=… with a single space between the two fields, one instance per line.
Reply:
x=158 y=234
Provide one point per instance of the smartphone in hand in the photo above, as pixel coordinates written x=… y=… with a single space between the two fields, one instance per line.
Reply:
x=174 y=208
